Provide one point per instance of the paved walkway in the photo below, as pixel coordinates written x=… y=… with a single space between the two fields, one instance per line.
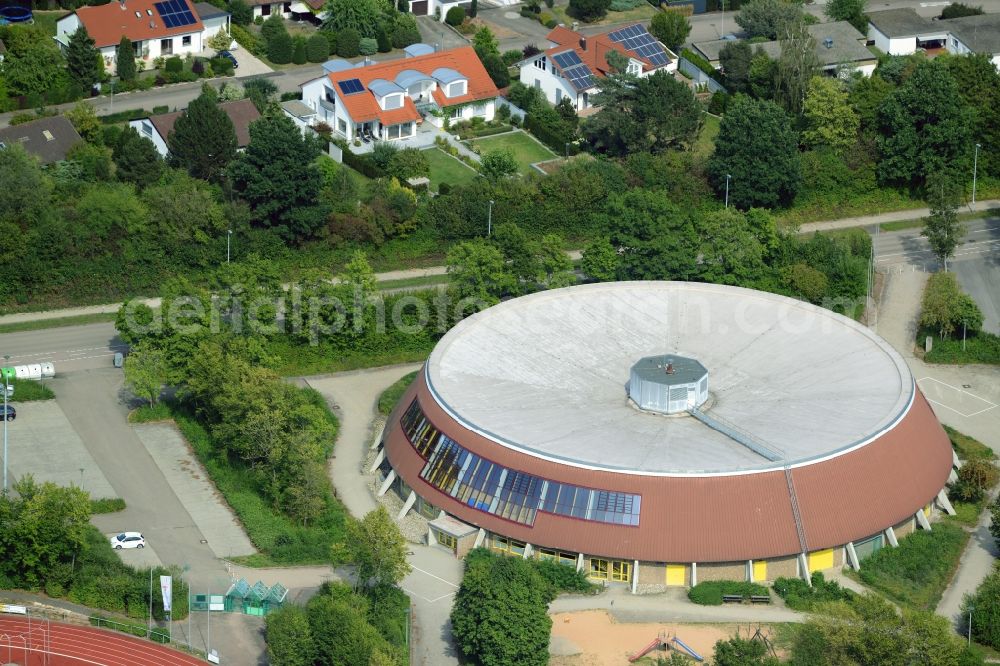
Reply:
x=892 y=216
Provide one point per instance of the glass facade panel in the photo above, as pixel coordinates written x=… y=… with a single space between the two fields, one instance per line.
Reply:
x=509 y=494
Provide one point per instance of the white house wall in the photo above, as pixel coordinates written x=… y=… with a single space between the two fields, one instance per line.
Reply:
x=214 y=25
x=67 y=25
x=547 y=82
x=147 y=131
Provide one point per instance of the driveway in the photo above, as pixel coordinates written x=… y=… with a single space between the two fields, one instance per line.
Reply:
x=513 y=31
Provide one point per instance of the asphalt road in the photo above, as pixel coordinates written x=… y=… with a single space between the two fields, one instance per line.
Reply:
x=71 y=348
x=976 y=262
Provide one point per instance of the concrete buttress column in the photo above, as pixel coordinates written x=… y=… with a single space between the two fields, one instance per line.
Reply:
x=944 y=503
x=387 y=483
x=635 y=575
x=694 y=574
x=378 y=461
x=922 y=520
x=407 y=505
x=890 y=534
x=852 y=556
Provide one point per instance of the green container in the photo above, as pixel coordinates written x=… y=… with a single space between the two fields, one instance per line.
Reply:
x=8 y=373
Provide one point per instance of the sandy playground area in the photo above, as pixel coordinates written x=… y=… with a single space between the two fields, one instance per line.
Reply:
x=595 y=638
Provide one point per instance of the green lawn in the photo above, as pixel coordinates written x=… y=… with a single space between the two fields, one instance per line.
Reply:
x=969 y=448
x=47 y=20
x=447 y=169
x=526 y=150
x=391 y=395
x=38 y=324
x=705 y=143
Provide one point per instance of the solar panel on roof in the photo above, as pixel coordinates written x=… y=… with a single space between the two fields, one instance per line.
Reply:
x=175 y=13
x=567 y=59
x=637 y=39
x=579 y=76
x=350 y=86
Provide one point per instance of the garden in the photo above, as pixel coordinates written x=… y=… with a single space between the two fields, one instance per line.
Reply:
x=447 y=170
x=525 y=149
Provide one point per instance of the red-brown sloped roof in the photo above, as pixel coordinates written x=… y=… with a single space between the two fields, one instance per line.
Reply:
x=593 y=50
x=241 y=112
x=364 y=106
x=714 y=518
x=107 y=23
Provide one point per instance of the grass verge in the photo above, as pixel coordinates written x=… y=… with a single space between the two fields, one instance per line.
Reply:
x=969 y=448
x=40 y=324
x=916 y=573
x=30 y=390
x=146 y=414
x=295 y=360
x=415 y=282
x=391 y=395
x=107 y=505
x=280 y=540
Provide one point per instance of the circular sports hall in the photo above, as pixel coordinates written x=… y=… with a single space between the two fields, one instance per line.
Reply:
x=666 y=433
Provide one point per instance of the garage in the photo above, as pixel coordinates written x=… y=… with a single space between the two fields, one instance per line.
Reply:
x=418 y=7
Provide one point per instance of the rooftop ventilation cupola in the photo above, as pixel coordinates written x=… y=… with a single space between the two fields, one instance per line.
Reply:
x=668 y=384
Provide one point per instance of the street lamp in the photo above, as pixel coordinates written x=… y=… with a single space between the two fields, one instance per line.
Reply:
x=6 y=388
x=975 y=167
x=728 y=176
x=567 y=150
x=229 y=236
x=489 y=220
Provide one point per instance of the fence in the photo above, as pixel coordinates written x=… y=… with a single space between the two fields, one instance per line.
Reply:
x=699 y=76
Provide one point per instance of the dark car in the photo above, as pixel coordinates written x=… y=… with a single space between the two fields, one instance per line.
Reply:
x=11 y=412
x=230 y=57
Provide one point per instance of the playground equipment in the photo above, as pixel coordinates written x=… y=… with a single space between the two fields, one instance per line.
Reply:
x=665 y=642
x=15 y=14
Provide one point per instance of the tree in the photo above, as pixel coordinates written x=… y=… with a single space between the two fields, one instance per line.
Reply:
x=796 y=66
x=650 y=114
x=958 y=10
x=220 y=41
x=377 y=549
x=146 y=372
x=498 y=164
x=852 y=11
x=600 y=261
x=975 y=478
x=830 y=120
x=82 y=58
x=341 y=632
x=280 y=46
x=942 y=229
x=261 y=92
x=499 y=617
x=762 y=76
x=926 y=128
x=35 y=68
x=203 y=140
x=735 y=58
x=359 y=15
x=495 y=67
x=768 y=18
x=995 y=523
x=978 y=81
x=408 y=163
x=86 y=123
x=730 y=253
x=984 y=603
x=671 y=28
x=758 y=149
x=653 y=238
x=588 y=10
x=947 y=308
x=477 y=272
x=555 y=266
x=136 y=159
x=277 y=177
x=289 y=638
x=241 y=11
x=125 y=60
x=485 y=43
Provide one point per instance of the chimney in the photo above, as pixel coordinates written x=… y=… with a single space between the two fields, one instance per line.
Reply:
x=151 y=24
x=583 y=43
x=670 y=368
x=828 y=42
x=122 y=4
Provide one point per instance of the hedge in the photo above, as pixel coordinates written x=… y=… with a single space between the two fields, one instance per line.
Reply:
x=698 y=62
x=710 y=593
x=798 y=595
x=107 y=505
x=455 y=16
x=361 y=163
x=252 y=43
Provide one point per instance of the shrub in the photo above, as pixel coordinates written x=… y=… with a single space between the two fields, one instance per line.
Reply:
x=589 y=10
x=173 y=65
x=958 y=10
x=107 y=505
x=511 y=57
x=279 y=48
x=917 y=572
x=986 y=610
x=455 y=17
x=717 y=105
x=222 y=66
x=624 y=5
x=331 y=41
x=799 y=596
x=242 y=14
x=251 y=42
x=299 y=51
x=384 y=43
x=368 y=46
x=710 y=592
x=348 y=43
x=975 y=477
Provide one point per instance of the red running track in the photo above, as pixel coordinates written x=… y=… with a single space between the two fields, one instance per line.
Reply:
x=41 y=643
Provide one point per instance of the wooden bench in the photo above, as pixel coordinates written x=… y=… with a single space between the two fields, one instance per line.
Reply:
x=760 y=599
x=732 y=598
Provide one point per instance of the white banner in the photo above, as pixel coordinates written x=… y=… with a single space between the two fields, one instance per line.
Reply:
x=165 y=588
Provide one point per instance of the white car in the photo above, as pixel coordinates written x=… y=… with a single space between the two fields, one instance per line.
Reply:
x=128 y=540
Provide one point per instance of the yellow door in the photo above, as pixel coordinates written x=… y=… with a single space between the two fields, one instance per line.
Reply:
x=676 y=574
x=927 y=510
x=759 y=570
x=821 y=559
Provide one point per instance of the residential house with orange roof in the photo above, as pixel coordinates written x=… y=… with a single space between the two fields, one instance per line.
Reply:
x=573 y=62
x=307 y=10
x=157 y=129
x=155 y=27
x=388 y=101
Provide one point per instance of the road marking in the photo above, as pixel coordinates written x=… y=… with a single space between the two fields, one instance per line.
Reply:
x=428 y=573
x=955 y=388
